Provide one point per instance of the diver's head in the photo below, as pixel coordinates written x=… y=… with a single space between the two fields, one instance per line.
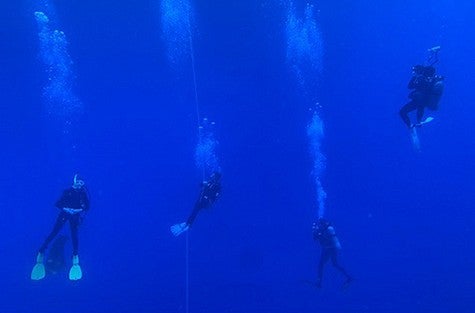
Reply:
x=418 y=69
x=429 y=71
x=323 y=223
x=77 y=182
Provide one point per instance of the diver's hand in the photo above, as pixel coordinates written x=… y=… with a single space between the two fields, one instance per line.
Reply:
x=72 y=211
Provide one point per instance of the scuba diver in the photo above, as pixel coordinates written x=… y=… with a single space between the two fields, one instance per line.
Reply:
x=324 y=233
x=427 y=89
x=73 y=203
x=210 y=191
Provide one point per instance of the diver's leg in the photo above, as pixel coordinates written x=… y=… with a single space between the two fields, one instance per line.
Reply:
x=420 y=113
x=60 y=220
x=75 y=272
x=324 y=256
x=410 y=106
x=200 y=204
x=335 y=263
x=74 y=225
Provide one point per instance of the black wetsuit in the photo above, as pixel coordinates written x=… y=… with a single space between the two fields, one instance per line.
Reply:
x=74 y=199
x=209 y=193
x=326 y=238
x=426 y=94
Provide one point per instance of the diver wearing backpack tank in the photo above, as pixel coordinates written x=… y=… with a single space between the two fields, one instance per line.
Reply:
x=210 y=191
x=427 y=89
x=324 y=233
x=73 y=203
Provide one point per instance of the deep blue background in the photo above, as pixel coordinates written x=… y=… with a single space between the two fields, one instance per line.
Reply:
x=405 y=219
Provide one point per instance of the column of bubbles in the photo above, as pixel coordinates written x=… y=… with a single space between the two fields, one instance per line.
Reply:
x=61 y=102
x=176 y=19
x=315 y=135
x=304 y=57
x=205 y=154
x=304 y=47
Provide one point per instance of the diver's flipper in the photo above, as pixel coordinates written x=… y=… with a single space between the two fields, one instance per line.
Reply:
x=427 y=120
x=38 y=271
x=178 y=229
x=75 y=273
x=415 y=139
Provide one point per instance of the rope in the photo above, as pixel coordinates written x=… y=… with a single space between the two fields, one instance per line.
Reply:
x=198 y=118
x=197 y=103
x=187 y=283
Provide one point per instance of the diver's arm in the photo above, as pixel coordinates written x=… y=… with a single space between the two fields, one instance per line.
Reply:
x=84 y=201
x=332 y=233
x=419 y=82
x=412 y=83
x=213 y=192
x=61 y=203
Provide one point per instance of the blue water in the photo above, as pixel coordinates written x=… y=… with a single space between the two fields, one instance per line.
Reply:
x=303 y=99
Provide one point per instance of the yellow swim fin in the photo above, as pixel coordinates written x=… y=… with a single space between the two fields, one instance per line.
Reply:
x=38 y=271
x=75 y=273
